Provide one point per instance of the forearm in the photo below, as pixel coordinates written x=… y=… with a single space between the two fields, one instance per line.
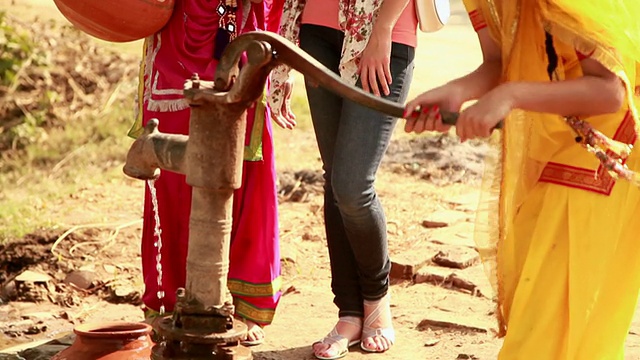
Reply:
x=388 y=15
x=585 y=96
x=484 y=79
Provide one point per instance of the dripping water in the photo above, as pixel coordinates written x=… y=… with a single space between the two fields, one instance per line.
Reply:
x=157 y=232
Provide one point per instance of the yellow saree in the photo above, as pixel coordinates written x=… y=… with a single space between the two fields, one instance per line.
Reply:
x=559 y=236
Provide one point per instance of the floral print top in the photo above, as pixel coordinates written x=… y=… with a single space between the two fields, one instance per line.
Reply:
x=356 y=20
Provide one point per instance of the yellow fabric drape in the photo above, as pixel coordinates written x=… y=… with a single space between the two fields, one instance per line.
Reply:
x=560 y=245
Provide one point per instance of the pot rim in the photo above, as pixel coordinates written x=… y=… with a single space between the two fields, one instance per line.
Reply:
x=113 y=329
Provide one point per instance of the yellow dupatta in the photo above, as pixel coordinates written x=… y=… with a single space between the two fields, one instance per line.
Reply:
x=531 y=140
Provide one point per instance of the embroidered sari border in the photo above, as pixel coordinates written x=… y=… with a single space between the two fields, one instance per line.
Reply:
x=599 y=180
x=248 y=311
x=248 y=289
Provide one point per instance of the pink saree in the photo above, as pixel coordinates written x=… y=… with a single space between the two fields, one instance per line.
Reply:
x=183 y=47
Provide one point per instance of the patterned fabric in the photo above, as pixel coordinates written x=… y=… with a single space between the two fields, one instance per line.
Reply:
x=356 y=20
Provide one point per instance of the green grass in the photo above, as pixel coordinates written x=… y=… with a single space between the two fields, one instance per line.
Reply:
x=84 y=152
x=88 y=150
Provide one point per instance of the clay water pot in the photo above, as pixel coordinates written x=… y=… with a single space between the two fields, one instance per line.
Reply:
x=109 y=341
x=117 y=20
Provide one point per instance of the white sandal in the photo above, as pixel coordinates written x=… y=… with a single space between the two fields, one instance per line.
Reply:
x=335 y=338
x=246 y=342
x=369 y=332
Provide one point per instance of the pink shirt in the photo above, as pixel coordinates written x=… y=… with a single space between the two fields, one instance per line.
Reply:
x=325 y=13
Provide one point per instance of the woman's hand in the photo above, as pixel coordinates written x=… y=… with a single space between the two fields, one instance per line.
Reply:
x=481 y=118
x=423 y=112
x=374 y=65
x=283 y=116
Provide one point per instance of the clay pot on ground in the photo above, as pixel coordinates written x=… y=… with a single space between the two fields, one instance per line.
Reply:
x=109 y=341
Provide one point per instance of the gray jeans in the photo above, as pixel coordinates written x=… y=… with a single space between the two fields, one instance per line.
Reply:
x=352 y=140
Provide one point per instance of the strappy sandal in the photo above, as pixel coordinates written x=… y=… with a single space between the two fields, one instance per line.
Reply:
x=335 y=338
x=250 y=342
x=369 y=332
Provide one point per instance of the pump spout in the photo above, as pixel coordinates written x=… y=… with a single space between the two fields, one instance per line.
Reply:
x=153 y=151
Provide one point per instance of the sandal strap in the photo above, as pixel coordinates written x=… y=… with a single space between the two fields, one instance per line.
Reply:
x=335 y=336
x=332 y=338
x=368 y=330
x=351 y=320
x=380 y=306
x=387 y=333
x=373 y=316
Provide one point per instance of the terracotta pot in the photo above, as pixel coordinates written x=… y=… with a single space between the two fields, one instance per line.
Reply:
x=109 y=341
x=117 y=20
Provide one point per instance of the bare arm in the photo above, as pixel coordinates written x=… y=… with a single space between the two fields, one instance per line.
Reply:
x=599 y=91
x=376 y=58
x=487 y=76
x=388 y=15
x=452 y=95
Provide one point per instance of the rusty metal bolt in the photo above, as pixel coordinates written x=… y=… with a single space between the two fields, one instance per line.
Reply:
x=181 y=293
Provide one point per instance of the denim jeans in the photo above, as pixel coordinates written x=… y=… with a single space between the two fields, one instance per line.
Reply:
x=352 y=140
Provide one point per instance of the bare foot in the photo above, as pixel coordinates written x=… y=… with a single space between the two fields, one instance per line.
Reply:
x=255 y=333
x=378 y=334
x=349 y=327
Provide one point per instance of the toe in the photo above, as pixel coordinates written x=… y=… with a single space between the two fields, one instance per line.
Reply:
x=369 y=343
x=382 y=343
x=331 y=351
x=256 y=335
x=251 y=336
x=379 y=343
x=254 y=331
x=323 y=350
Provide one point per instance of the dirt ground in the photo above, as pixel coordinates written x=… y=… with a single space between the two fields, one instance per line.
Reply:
x=434 y=319
x=428 y=185
x=436 y=316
